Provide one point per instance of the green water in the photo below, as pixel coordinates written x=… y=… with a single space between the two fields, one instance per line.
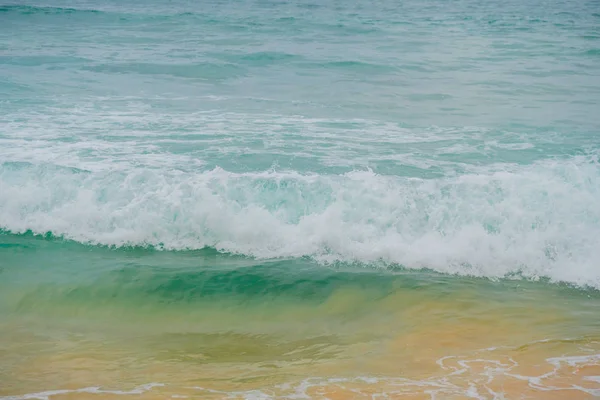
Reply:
x=212 y=320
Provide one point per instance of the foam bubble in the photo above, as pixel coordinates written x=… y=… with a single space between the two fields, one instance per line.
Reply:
x=534 y=221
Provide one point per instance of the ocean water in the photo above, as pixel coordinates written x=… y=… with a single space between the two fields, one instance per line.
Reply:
x=262 y=199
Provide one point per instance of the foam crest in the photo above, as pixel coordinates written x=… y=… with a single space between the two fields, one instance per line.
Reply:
x=534 y=221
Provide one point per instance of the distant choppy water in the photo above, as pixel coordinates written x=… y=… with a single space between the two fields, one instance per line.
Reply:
x=387 y=137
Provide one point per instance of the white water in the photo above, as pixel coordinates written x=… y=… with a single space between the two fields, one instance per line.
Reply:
x=539 y=220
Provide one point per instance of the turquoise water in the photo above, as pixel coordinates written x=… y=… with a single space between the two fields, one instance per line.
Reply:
x=248 y=163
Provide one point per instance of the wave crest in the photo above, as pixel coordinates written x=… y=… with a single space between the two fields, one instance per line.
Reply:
x=532 y=221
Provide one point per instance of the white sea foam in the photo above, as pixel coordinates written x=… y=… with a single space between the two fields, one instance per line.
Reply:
x=103 y=133
x=466 y=376
x=463 y=377
x=540 y=220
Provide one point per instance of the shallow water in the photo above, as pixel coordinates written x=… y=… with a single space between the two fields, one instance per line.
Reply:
x=206 y=325
x=263 y=199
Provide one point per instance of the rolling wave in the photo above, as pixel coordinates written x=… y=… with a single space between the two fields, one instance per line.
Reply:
x=540 y=220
